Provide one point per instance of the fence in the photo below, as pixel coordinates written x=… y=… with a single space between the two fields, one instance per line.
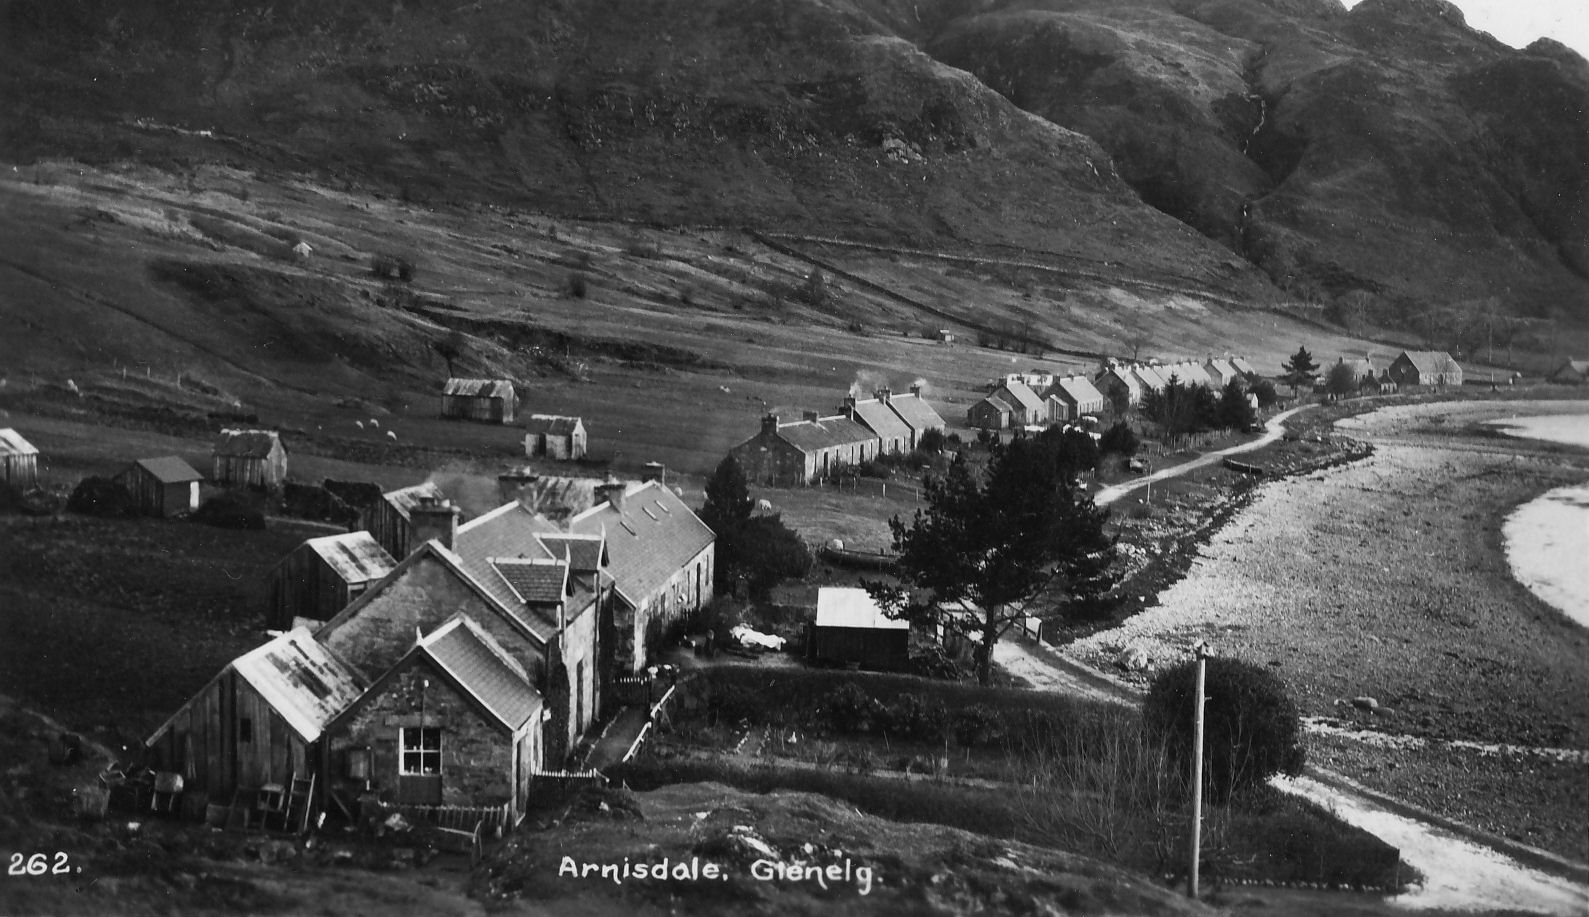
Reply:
x=493 y=820
x=565 y=780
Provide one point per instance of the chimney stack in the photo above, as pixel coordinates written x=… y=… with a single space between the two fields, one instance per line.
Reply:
x=915 y=389
x=849 y=406
x=655 y=471
x=611 y=492
x=884 y=393
x=811 y=416
x=769 y=423
x=431 y=518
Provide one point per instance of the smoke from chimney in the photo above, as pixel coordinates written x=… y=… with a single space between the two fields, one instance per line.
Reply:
x=920 y=387
x=866 y=382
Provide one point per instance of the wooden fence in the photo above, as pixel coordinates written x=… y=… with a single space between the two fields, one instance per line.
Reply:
x=493 y=820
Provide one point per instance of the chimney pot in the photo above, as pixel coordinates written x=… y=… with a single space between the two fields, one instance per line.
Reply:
x=915 y=389
x=769 y=423
x=883 y=394
x=811 y=416
x=612 y=493
x=433 y=518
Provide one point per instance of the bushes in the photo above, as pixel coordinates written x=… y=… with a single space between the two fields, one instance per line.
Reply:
x=1250 y=724
x=388 y=266
x=233 y=509
x=578 y=285
x=102 y=497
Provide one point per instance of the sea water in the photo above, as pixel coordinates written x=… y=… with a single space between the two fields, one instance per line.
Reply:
x=1547 y=539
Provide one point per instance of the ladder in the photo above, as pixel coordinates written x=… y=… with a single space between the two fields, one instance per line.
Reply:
x=300 y=797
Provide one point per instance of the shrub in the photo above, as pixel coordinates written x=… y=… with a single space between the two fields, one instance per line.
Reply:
x=850 y=710
x=978 y=725
x=1250 y=723
x=1265 y=390
x=578 y=285
x=915 y=717
x=101 y=497
x=233 y=509
x=931 y=441
x=391 y=267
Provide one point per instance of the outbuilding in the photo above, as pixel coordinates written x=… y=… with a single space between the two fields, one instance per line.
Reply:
x=1571 y=372
x=321 y=576
x=165 y=486
x=851 y=630
x=19 y=460
x=1425 y=367
x=554 y=437
x=390 y=520
x=249 y=458
x=488 y=400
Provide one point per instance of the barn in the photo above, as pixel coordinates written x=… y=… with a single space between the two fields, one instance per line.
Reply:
x=1072 y=396
x=488 y=400
x=554 y=437
x=851 y=630
x=257 y=725
x=1425 y=367
x=991 y=413
x=165 y=486
x=19 y=460
x=251 y=458
x=320 y=577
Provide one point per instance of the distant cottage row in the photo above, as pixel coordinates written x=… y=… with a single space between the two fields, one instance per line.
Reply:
x=813 y=448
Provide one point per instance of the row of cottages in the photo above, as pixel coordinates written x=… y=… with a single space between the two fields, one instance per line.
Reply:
x=1126 y=384
x=1015 y=403
x=19 y=460
x=487 y=400
x=474 y=664
x=166 y=486
x=1424 y=367
x=1072 y=396
x=1364 y=374
x=249 y=458
x=554 y=437
x=1571 y=372
x=813 y=448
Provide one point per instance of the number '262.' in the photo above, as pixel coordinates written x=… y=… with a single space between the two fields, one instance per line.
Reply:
x=39 y=864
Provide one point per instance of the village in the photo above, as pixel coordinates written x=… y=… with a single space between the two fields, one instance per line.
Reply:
x=449 y=667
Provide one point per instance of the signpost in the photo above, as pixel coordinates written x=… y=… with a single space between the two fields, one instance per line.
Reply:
x=1197 y=769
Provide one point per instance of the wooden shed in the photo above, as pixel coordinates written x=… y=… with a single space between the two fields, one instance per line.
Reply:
x=850 y=629
x=390 y=519
x=488 y=400
x=19 y=460
x=321 y=576
x=554 y=437
x=251 y=458
x=259 y=722
x=165 y=486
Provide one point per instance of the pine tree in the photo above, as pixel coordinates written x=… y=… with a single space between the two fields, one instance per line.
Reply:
x=728 y=501
x=1300 y=370
x=1235 y=411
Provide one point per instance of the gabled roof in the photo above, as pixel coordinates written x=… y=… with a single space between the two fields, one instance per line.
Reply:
x=552 y=425
x=877 y=417
x=354 y=556
x=585 y=553
x=848 y=606
x=1431 y=361
x=1022 y=396
x=474 y=661
x=405 y=499
x=653 y=537
x=1222 y=368
x=534 y=580
x=1578 y=366
x=558 y=496
x=1191 y=373
x=1131 y=380
x=12 y=443
x=302 y=680
x=169 y=470
x=1148 y=376
x=247 y=443
x=1077 y=390
x=825 y=433
x=479 y=388
x=1242 y=366
x=915 y=412
x=998 y=404
x=506 y=533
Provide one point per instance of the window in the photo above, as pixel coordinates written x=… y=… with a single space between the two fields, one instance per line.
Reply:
x=421 y=750
x=245 y=730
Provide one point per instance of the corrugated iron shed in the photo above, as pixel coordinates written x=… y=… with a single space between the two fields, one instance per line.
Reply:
x=551 y=425
x=479 y=388
x=354 y=556
x=170 y=470
x=301 y=680
x=847 y=606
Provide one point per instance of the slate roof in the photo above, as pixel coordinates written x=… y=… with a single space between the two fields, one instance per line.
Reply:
x=559 y=496
x=535 y=580
x=848 y=606
x=246 y=443
x=650 y=539
x=826 y=433
x=1223 y=367
x=12 y=443
x=507 y=532
x=302 y=680
x=1242 y=366
x=998 y=404
x=405 y=499
x=354 y=556
x=1131 y=380
x=551 y=425
x=1027 y=399
x=478 y=665
x=877 y=417
x=915 y=412
x=1150 y=376
x=1431 y=361
x=169 y=470
x=1078 y=390
x=479 y=388
x=1191 y=373
x=585 y=552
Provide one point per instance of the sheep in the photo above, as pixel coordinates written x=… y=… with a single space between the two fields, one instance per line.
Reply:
x=359 y=424
x=392 y=435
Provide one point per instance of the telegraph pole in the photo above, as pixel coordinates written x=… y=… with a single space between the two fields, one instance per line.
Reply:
x=1197 y=770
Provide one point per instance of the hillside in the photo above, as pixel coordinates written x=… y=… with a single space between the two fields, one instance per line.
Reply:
x=1389 y=159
